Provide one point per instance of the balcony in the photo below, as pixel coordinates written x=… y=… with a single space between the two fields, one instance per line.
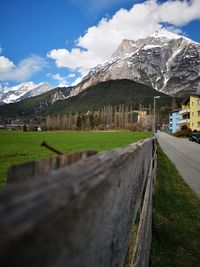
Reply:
x=184 y=111
x=184 y=121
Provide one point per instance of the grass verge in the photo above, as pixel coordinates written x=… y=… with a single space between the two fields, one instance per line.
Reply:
x=176 y=219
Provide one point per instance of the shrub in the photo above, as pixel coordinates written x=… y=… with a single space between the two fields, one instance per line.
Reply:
x=183 y=133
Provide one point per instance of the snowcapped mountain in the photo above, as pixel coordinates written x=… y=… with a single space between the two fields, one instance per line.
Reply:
x=168 y=62
x=22 y=91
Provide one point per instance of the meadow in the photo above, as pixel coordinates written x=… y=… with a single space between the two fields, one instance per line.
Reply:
x=17 y=147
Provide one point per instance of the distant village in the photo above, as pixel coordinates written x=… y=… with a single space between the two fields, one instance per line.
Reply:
x=117 y=117
x=109 y=117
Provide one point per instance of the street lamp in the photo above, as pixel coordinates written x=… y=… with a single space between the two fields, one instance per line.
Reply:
x=154 y=114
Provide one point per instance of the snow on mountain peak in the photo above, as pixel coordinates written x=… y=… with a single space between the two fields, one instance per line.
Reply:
x=163 y=33
x=166 y=34
x=126 y=46
x=164 y=60
x=23 y=90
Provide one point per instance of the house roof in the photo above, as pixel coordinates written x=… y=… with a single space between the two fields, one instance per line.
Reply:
x=176 y=110
x=187 y=99
x=195 y=94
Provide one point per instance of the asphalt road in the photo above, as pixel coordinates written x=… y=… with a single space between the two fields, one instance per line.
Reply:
x=186 y=157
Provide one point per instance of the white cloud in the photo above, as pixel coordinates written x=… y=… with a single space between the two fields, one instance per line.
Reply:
x=71 y=75
x=78 y=80
x=4 y=85
x=174 y=29
x=99 y=42
x=179 y=12
x=76 y=59
x=22 y=71
x=62 y=81
x=5 y=64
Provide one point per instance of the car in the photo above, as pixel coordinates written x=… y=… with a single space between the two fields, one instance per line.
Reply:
x=195 y=136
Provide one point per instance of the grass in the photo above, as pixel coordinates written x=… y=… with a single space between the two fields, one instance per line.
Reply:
x=176 y=219
x=18 y=147
x=176 y=209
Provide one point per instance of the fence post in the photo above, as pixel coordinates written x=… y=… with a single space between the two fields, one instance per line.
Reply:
x=80 y=214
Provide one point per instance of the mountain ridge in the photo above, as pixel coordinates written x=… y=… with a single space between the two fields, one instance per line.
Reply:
x=24 y=90
x=112 y=92
x=168 y=62
x=95 y=97
x=165 y=61
x=34 y=105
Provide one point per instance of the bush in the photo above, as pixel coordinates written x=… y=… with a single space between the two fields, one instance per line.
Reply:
x=183 y=133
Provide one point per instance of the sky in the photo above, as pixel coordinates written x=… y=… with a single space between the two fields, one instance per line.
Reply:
x=59 y=41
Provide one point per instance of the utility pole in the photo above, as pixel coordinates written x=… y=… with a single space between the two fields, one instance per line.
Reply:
x=154 y=114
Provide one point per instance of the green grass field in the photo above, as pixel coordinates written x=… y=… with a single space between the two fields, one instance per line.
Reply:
x=18 y=147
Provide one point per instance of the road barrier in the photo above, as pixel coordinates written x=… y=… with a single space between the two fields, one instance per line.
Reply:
x=80 y=215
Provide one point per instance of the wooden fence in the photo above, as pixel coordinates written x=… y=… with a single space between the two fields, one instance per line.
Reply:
x=79 y=215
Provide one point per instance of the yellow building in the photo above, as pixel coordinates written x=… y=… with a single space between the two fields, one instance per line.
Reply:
x=190 y=113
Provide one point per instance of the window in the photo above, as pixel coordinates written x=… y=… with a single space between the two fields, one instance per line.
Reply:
x=192 y=113
x=198 y=101
x=198 y=124
x=192 y=103
x=193 y=124
x=198 y=112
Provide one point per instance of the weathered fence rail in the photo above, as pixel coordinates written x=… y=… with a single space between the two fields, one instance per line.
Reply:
x=80 y=215
x=32 y=169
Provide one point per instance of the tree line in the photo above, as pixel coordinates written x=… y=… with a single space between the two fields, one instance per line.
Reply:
x=109 y=117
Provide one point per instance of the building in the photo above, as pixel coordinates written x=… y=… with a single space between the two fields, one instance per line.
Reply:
x=190 y=113
x=145 y=119
x=165 y=127
x=174 y=119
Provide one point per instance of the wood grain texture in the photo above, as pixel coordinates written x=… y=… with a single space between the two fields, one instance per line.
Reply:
x=78 y=215
x=144 y=235
x=29 y=170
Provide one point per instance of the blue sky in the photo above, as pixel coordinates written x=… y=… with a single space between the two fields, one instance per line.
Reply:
x=58 y=41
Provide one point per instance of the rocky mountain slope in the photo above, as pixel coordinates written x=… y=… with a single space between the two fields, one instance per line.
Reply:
x=167 y=62
x=22 y=91
x=34 y=105
x=95 y=97
x=111 y=93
